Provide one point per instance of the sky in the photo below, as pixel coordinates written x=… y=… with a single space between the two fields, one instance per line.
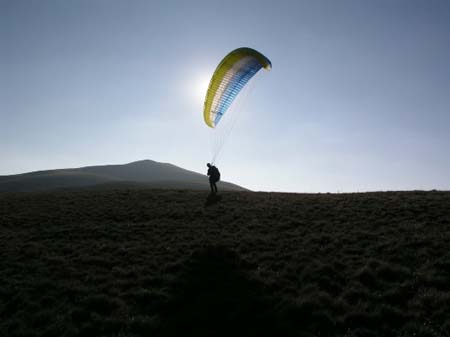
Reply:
x=358 y=98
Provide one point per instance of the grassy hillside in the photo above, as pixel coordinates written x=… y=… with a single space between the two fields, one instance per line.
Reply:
x=146 y=173
x=136 y=262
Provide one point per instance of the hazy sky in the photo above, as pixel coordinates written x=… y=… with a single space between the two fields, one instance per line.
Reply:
x=358 y=98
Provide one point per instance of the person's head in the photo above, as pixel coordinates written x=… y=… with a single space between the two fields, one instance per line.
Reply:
x=209 y=165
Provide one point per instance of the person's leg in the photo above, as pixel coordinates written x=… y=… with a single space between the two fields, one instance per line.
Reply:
x=211 y=185
x=215 y=187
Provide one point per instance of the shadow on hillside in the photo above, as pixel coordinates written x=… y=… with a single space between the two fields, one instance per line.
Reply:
x=212 y=199
x=215 y=297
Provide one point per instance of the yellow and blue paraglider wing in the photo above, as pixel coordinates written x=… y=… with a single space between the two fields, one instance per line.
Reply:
x=231 y=75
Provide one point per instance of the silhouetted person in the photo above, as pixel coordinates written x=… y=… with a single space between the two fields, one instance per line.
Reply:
x=214 y=177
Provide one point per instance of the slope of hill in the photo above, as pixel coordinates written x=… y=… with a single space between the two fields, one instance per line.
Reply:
x=136 y=262
x=147 y=173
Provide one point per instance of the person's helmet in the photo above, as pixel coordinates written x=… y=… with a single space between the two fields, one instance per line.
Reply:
x=209 y=165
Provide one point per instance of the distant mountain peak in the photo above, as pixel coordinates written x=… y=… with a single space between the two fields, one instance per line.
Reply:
x=143 y=161
x=148 y=173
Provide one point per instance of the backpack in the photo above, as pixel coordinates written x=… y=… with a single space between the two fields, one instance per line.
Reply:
x=215 y=174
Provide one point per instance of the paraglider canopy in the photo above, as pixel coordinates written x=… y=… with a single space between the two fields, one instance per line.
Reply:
x=230 y=76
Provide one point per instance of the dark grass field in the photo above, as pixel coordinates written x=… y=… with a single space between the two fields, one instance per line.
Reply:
x=174 y=263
